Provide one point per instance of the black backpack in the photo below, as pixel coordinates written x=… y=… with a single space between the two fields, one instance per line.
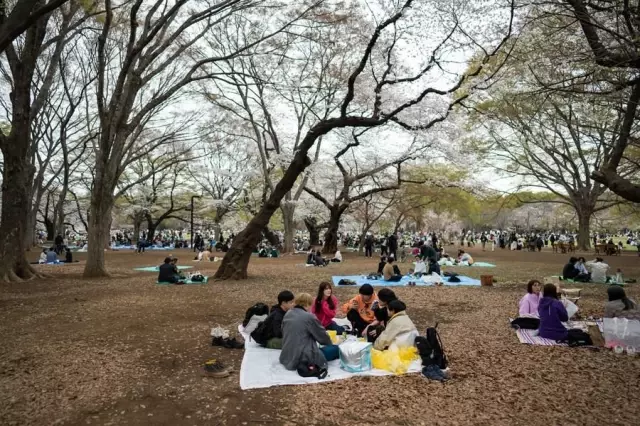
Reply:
x=257 y=309
x=577 y=337
x=263 y=332
x=431 y=349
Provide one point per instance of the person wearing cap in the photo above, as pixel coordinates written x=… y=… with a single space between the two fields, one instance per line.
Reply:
x=168 y=272
x=360 y=309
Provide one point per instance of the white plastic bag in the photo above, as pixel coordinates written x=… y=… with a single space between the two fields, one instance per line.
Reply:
x=434 y=278
x=621 y=332
x=571 y=307
x=355 y=357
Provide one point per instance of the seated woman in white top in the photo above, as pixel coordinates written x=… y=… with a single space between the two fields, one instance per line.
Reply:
x=337 y=257
x=446 y=261
x=420 y=266
x=598 y=270
x=465 y=258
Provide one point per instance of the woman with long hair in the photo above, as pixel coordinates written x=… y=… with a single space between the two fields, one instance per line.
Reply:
x=619 y=305
x=324 y=307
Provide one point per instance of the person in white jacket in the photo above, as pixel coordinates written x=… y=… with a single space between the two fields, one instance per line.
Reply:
x=598 y=269
x=399 y=327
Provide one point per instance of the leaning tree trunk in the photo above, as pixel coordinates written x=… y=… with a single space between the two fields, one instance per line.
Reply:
x=235 y=263
x=584 y=221
x=288 y=212
x=331 y=235
x=15 y=202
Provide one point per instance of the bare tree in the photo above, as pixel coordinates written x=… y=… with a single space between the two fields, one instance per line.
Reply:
x=17 y=145
x=23 y=15
x=145 y=56
x=386 y=74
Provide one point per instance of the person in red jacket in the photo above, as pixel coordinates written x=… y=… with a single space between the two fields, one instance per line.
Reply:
x=324 y=307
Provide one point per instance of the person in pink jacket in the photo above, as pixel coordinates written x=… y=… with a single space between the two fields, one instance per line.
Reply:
x=529 y=303
x=325 y=306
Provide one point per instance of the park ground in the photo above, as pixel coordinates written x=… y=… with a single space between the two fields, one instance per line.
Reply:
x=124 y=351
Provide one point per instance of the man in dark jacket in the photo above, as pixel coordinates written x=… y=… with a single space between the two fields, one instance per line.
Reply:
x=393 y=246
x=168 y=272
x=274 y=320
x=427 y=252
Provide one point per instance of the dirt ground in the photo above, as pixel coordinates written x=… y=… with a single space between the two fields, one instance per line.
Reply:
x=124 y=351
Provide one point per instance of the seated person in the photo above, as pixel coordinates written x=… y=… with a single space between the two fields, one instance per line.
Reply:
x=389 y=271
x=619 y=305
x=205 y=256
x=385 y=296
x=464 y=258
x=273 y=252
x=337 y=257
x=530 y=301
x=399 y=325
x=276 y=315
x=43 y=256
x=68 y=256
x=571 y=272
x=311 y=257
x=174 y=262
x=359 y=310
x=420 y=267
x=434 y=267
x=262 y=252
x=325 y=306
x=52 y=257
x=582 y=269
x=552 y=314
x=301 y=333
x=446 y=261
x=381 y=264
x=168 y=272
x=598 y=270
x=319 y=260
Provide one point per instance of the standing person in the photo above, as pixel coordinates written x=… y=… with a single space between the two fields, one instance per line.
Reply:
x=483 y=240
x=301 y=333
x=393 y=245
x=383 y=246
x=368 y=245
x=324 y=307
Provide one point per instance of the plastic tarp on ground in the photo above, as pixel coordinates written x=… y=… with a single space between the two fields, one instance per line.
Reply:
x=261 y=368
x=359 y=280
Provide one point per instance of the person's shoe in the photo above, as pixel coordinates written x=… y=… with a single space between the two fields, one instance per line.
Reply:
x=217 y=341
x=214 y=368
x=232 y=343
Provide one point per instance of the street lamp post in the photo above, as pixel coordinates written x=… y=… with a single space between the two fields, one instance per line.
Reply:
x=192 y=198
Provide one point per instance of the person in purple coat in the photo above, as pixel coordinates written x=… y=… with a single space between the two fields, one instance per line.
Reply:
x=552 y=314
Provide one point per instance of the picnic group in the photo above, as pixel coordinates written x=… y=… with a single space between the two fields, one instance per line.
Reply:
x=305 y=330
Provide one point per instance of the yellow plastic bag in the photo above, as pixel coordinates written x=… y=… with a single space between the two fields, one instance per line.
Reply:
x=396 y=360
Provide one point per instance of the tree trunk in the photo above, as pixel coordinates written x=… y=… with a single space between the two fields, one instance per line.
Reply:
x=99 y=225
x=288 y=211
x=58 y=214
x=30 y=230
x=151 y=231
x=236 y=261
x=51 y=229
x=314 y=230
x=331 y=235
x=584 y=219
x=15 y=202
x=137 y=223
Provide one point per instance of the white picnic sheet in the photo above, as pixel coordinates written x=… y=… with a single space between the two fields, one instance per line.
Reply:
x=261 y=367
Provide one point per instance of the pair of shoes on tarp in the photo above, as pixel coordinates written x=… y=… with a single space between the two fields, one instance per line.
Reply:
x=215 y=368
x=227 y=342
